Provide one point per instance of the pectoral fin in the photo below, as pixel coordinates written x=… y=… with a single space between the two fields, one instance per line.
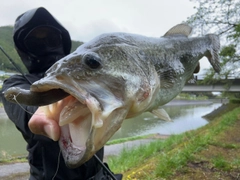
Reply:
x=162 y=114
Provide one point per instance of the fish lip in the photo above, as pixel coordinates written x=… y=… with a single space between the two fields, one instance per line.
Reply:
x=53 y=84
x=73 y=155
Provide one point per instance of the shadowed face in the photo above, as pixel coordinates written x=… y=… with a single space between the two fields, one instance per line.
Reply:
x=42 y=40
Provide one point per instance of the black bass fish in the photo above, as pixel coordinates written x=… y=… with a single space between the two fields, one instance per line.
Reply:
x=113 y=77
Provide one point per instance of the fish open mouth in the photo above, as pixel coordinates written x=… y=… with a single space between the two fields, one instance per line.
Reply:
x=79 y=116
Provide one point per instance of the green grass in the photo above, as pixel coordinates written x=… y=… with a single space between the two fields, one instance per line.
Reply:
x=178 y=160
x=220 y=163
x=117 y=141
x=7 y=158
x=235 y=101
x=173 y=153
x=224 y=145
x=188 y=96
x=13 y=160
x=236 y=163
x=128 y=159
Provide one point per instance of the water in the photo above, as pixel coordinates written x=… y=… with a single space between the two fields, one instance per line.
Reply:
x=11 y=140
x=185 y=117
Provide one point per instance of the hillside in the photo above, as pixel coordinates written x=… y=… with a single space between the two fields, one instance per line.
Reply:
x=6 y=42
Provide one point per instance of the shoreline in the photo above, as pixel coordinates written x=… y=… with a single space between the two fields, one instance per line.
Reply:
x=180 y=102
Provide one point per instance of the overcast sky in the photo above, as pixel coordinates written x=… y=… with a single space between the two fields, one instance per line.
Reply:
x=86 y=19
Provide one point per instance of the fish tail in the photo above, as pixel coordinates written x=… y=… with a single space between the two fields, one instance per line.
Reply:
x=213 y=53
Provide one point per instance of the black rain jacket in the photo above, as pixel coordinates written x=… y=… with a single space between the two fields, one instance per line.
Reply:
x=43 y=152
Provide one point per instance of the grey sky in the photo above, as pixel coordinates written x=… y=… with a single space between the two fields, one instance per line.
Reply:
x=87 y=19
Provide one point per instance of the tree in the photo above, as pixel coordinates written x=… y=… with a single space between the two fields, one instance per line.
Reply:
x=221 y=17
x=6 y=42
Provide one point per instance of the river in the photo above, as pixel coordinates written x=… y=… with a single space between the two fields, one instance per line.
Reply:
x=184 y=117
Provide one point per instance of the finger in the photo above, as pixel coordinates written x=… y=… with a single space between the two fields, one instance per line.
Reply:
x=42 y=125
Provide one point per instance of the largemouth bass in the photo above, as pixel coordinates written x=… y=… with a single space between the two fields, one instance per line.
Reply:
x=113 y=77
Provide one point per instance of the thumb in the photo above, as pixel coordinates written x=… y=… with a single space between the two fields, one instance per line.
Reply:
x=43 y=125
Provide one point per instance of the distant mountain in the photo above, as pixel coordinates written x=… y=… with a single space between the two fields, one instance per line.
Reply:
x=6 y=42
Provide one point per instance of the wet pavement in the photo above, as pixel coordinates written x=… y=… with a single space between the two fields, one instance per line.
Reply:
x=14 y=171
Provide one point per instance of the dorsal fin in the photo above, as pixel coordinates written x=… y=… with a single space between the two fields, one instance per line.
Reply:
x=182 y=29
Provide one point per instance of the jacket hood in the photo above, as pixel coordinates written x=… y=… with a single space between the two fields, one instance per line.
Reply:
x=28 y=21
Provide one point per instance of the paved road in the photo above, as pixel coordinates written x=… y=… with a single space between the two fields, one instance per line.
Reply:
x=20 y=171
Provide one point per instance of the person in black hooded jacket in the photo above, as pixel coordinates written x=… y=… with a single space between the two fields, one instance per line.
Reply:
x=40 y=41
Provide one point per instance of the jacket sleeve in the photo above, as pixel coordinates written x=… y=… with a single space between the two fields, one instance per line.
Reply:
x=20 y=114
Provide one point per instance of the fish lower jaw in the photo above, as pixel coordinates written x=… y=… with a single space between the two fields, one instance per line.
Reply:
x=72 y=143
x=72 y=154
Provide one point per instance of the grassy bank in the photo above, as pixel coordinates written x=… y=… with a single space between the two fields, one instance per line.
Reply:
x=9 y=160
x=117 y=141
x=207 y=152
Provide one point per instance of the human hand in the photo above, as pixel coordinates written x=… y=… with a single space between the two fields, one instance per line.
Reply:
x=43 y=125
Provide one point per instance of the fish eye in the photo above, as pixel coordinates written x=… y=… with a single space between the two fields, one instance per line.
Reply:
x=92 y=61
